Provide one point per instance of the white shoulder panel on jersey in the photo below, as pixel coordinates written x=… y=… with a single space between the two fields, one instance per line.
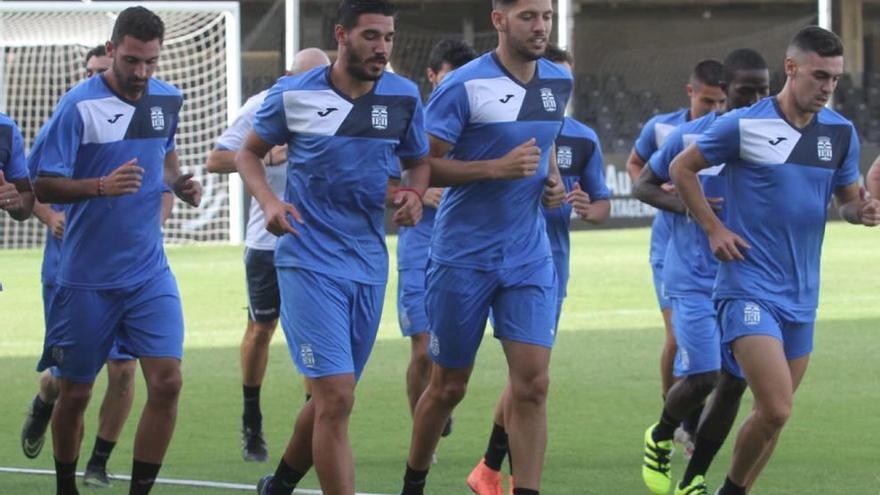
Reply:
x=105 y=120
x=318 y=112
x=689 y=139
x=766 y=141
x=494 y=100
x=662 y=132
x=714 y=170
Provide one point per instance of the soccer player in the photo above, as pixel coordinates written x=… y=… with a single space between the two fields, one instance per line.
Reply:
x=121 y=367
x=262 y=285
x=345 y=128
x=688 y=275
x=582 y=167
x=492 y=124
x=108 y=147
x=784 y=158
x=413 y=244
x=16 y=196
x=704 y=96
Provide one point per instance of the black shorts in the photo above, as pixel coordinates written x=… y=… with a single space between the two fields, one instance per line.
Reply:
x=264 y=301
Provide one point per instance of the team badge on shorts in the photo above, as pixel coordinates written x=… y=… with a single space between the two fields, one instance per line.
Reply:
x=563 y=157
x=380 y=117
x=548 y=100
x=307 y=356
x=434 y=345
x=823 y=147
x=157 y=118
x=751 y=314
x=58 y=355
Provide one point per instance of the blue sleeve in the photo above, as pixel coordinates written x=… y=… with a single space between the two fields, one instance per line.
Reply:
x=270 y=123
x=415 y=143
x=593 y=176
x=848 y=172
x=646 y=144
x=448 y=112
x=662 y=158
x=63 y=137
x=171 y=145
x=720 y=143
x=33 y=157
x=12 y=159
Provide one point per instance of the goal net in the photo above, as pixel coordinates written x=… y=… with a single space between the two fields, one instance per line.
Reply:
x=43 y=48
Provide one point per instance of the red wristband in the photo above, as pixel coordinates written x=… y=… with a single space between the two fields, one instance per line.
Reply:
x=401 y=189
x=101 y=185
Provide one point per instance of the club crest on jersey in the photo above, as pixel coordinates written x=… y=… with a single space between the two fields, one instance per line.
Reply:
x=751 y=314
x=563 y=157
x=380 y=117
x=157 y=118
x=824 y=148
x=548 y=100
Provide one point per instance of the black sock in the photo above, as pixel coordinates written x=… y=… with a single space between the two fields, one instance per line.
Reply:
x=285 y=479
x=252 y=417
x=509 y=460
x=143 y=475
x=101 y=452
x=704 y=453
x=497 y=448
x=414 y=481
x=731 y=488
x=42 y=410
x=665 y=429
x=692 y=421
x=65 y=478
x=524 y=491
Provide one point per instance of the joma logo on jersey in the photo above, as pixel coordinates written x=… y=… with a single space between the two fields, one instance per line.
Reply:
x=823 y=147
x=307 y=356
x=751 y=314
x=548 y=100
x=563 y=157
x=157 y=118
x=380 y=117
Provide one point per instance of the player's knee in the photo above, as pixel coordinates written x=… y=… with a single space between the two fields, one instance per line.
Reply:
x=702 y=384
x=164 y=389
x=532 y=389
x=730 y=389
x=121 y=377
x=775 y=415
x=75 y=397
x=48 y=386
x=449 y=393
x=334 y=405
x=420 y=359
x=262 y=332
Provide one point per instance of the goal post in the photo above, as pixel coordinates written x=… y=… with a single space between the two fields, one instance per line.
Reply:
x=42 y=49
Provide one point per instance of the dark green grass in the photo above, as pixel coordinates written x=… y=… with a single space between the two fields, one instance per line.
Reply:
x=604 y=390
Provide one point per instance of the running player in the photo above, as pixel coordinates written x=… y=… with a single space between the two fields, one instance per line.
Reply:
x=107 y=148
x=704 y=96
x=413 y=243
x=492 y=124
x=784 y=157
x=16 y=196
x=688 y=275
x=121 y=367
x=345 y=128
x=581 y=165
x=262 y=284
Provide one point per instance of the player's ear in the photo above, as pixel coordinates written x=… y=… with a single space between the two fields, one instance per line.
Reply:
x=340 y=33
x=431 y=76
x=499 y=18
x=109 y=47
x=790 y=66
x=690 y=90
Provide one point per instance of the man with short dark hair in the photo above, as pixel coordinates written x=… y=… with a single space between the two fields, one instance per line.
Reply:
x=492 y=124
x=345 y=128
x=705 y=95
x=114 y=283
x=688 y=275
x=784 y=158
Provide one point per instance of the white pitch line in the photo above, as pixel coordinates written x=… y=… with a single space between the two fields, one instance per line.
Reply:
x=177 y=482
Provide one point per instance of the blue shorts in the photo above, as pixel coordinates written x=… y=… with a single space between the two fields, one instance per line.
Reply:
x=697 y=335
x=83 y=325
x=740 y=318
x=330 y=323
x=264 y=300
x=523 y=301
x=411 y=302
x=659 y=290
x=661 y=230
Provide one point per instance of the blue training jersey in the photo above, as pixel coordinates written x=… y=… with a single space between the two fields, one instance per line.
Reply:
x=690 y=266
x=779 y=181
x=485 y=113
x=52 y=249
x=579 y=157
x=111 y=242
x=340 y=155
x=414 y=243
x=653 y=135
x=12 y=162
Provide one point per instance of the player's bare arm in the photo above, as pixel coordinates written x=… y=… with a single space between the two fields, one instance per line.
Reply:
x=52 y=219
x=16 y=197
x=586 y=209
x=648 y=188
x=634 y=165
x=183 y=185
x=684 y=168
x=872 y=180
x=223 y=161
x=125 y=179
x=519 y=162
x=554 y=189
x=253 y=174
x=408 y=197
x=856 y=206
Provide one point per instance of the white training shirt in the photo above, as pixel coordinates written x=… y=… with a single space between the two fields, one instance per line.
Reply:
x=256 y=237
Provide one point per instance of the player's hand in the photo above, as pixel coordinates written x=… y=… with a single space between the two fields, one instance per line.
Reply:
x=56 y=224
x=432 y=197
x=520 y=162
x=579 y=201
x=409 y=208
x=870 y=209
x=668 y=187
x=276 y=218
x=716 y=204
x=554 y=192
x=188 y=190
x=126 y=179
x=277 y=156
x=10 y=200
x=726 y=245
